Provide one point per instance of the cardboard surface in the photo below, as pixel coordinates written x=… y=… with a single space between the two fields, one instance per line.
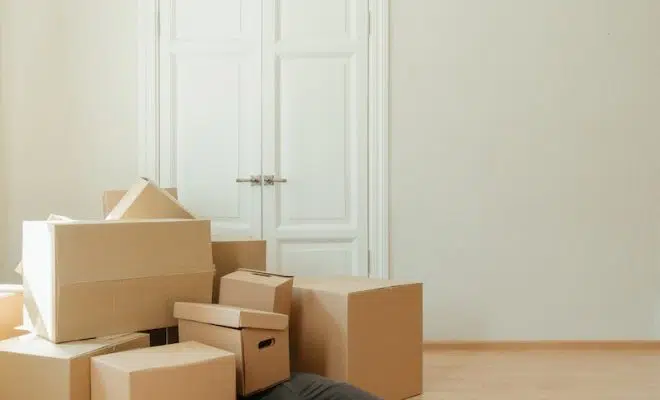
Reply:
x=262 y=356
x=174 y=372
x=11 y=311
x=33 y=368
x=145 y=200
x=86 y=279
x=112 y=197
x=267 y=291
x=230 y=317
x=363 y=331
x=51 y=217
x=231 y=255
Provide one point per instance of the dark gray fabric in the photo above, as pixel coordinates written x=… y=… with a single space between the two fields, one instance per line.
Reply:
x=313 y=387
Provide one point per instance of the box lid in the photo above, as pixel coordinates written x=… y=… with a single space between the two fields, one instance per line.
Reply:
x=348 y=284
x=173 y=355
x=256 y=276
x=230 y=317
x=32 y=344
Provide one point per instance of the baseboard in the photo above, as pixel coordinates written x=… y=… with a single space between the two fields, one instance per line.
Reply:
x=645 y=345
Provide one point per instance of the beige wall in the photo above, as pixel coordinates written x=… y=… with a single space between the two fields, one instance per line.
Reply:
x=525 y=181
x=525 y=168
x=69 y=74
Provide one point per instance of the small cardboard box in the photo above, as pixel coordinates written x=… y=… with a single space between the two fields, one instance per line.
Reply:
x=145 y=200
x=366 y=332
x=257 y=290
x=112 y=197
x=86 y=279
x=183 y=371
x=11 y=311
x=32 y=368
x=260 y=341
x=230 y=256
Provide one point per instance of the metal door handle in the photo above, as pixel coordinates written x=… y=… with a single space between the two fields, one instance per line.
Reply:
x=271 y=180
x=253 y=180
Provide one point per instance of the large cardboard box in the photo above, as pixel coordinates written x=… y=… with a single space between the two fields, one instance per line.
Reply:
x=11 y=311
x=146 y=200
x=112 y=197
x=183 y=371
x=257 y=290
x=85 y=279
x=228 y=254
x=232 y=255
x=32 y=368
x=363 y=331
x=260 y=341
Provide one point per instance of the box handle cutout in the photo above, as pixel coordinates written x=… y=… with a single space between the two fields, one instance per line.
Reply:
x=266 y=343
x=265 y=274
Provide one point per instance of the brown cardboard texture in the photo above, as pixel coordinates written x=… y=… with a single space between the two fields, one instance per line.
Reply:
x=32 y=368
x=229 y=256
x=260 y=341
x=363 y=331
x=257 y=290
x=145 y=200
x=183 y=371
x=86 y=279
x=11 y=311
x=51 y=217
x=112 y=197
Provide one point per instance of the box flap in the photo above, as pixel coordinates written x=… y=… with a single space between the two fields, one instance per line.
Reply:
x=112 y=197
x=230 y=317
x=146 y=200
x=173 y=355
x=32 y=344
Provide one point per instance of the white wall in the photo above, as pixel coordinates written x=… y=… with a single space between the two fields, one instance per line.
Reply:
x=525 y=167
x=525 y=181
x=69 y=75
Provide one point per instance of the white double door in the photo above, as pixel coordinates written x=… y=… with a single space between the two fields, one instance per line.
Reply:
x=258 y=88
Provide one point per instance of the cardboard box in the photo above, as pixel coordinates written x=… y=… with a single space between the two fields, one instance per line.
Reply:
x=11 y=311
x=112 y=197
x=257 y=290
x=32 y=368
x=145 y=200
x=184 y=371
x=363 y=331
x=86 y=279
x=260 y=341
x=230 y=256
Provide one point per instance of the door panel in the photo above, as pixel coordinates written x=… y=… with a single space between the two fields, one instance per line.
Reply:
x=315 y=56
x=210 y=124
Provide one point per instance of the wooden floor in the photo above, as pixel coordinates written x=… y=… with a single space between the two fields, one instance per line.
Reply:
x=550 y=374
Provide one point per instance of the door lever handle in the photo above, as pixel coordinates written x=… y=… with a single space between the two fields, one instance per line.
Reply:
x=254 y=180
x=270 y=180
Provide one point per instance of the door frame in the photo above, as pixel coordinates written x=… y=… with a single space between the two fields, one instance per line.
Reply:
x=150 y=163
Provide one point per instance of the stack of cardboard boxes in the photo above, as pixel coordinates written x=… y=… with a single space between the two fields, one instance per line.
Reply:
x=144 y=304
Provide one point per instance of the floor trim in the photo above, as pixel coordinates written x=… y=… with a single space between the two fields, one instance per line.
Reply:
x=647 y=345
